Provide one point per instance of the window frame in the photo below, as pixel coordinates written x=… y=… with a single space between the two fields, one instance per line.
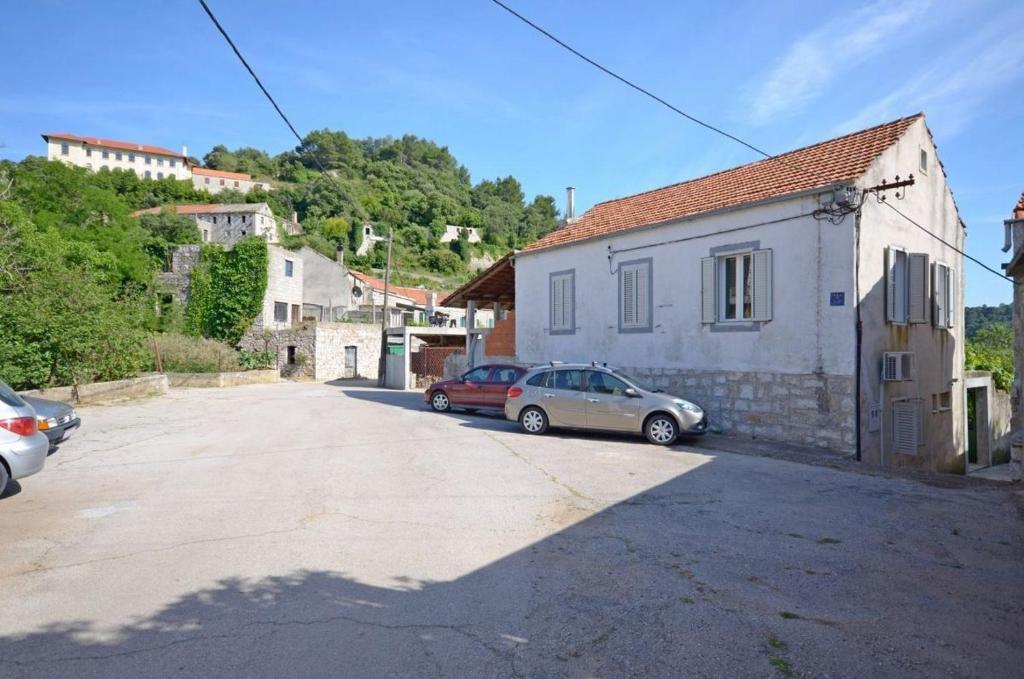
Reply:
x=902 y=283
x=65 y=149
x=947 y=281
x=562 y=329
x=640 y=267
x=278 y=306
x=721 y=291
x=289 y=268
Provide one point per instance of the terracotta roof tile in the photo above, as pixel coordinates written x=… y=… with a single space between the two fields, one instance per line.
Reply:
x=114 y=144
x=1018 y=209
x=204 y=208
x=207 y=172
x=837 y=160
x=418 y=295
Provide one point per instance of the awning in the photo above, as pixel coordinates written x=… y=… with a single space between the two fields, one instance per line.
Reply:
x=495 y=284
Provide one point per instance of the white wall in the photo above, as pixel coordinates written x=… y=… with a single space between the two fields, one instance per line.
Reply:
x=805 y=334
x=281 y=288
x=218 y=184
x=939 y=353
x=77 y=156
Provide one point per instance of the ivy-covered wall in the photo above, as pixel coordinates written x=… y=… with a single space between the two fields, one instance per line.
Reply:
x=227 y=288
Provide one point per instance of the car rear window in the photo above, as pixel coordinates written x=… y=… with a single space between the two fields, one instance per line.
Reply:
x=538 y=379
x=506 y=375
x=8 y=396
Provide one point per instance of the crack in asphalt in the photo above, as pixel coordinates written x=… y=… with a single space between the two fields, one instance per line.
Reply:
x=551 y=477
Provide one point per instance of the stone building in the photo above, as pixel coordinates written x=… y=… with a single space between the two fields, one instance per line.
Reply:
x=215 y=181
x=321 y=351
x=1015 y=269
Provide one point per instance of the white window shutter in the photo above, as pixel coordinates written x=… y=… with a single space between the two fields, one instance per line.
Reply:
x=762 y=260
x=906 y=426
x=707 y=290
x=951 y=297
x=629 y=281
x=642 y=276
x=918 y=288
x=890 y=286
x=940 y=291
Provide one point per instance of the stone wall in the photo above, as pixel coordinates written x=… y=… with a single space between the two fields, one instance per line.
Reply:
x=319 y=349
x=806 y=409
x=224 y=379
x=106 y=392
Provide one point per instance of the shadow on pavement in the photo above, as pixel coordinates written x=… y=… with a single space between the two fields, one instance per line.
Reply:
x=689 y=578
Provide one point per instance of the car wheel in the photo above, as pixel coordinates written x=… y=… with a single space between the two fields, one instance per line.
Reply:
x=533 y=421
x=4 y=478
x=439 y=402
x=661 y=430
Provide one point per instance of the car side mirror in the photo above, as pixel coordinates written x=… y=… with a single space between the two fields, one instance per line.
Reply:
x=631 y=392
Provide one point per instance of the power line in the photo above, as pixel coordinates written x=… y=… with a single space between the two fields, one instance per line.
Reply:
x=700 y=122
x=947 y=243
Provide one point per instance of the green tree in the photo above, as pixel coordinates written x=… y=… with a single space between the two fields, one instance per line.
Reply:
x=992 y=350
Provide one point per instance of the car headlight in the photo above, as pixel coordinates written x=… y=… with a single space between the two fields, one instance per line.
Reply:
x=47 y=423
x=686 y=405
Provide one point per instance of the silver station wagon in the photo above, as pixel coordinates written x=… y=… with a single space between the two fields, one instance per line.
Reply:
x=597 y=397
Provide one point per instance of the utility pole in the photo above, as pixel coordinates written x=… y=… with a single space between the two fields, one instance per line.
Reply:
x=382 y=367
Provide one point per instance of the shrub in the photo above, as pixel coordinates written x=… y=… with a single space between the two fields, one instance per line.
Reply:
x=256 y=360
x=184 y=354
x=992 y=350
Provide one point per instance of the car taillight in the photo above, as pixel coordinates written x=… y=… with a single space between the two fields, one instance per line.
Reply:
x=22 y=426
x=514 y=392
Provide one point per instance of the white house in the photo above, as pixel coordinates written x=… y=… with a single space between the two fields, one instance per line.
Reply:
x=453 y=233
x=215 y=181
x=94 y=153
x=781 y=295
x=282 y=302
x=226 y=223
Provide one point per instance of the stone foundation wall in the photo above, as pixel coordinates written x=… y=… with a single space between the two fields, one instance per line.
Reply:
x=806 y=409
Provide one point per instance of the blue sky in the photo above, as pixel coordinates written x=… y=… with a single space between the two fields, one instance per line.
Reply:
x=506 y=101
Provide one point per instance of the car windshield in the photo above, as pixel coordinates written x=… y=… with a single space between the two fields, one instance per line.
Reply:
x=8 y=396
x=642 y=384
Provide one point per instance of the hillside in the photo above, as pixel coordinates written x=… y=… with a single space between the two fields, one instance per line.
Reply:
x=409 y=184
x=977 y=318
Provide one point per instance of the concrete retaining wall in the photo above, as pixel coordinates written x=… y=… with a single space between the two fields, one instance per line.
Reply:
x=106 y=392
x=812 y=410
x=227 y=379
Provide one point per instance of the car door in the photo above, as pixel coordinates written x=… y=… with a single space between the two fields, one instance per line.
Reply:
x=502 y=377
x=470 y=390
x=608 y=407
x=564 y=399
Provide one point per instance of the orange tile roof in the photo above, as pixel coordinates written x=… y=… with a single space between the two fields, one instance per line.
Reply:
x=418 y=295
x=837 y=160
x=221 y=173
x=114 y=144
x=203 y=208
x=1018 y=209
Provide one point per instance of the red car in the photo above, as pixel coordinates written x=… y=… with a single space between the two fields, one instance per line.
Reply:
x=484 y=386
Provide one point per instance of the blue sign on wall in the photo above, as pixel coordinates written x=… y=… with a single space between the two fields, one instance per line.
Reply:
x=837 y=298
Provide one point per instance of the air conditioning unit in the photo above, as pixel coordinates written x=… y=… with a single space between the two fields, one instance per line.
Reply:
x=897 y=366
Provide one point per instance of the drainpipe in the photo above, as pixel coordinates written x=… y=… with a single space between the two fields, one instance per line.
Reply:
x=859 y=327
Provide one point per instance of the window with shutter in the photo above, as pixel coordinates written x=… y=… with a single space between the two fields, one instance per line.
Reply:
x=906 y=426
x=562 y=302
x=762 y=285
x=635 y=290
x=942 y=295
x=737 y=287
x=896 y=285
x=917 y=289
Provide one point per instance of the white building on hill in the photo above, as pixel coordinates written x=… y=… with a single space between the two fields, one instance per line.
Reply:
x=94 y=153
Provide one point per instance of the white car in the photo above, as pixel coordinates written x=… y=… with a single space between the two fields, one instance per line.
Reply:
x=23 y=447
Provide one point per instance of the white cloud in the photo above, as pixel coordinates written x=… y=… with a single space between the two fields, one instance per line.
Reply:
x=954 y=89
x=808 y=68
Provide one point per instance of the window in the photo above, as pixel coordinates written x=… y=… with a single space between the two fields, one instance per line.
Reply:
x=290 y=355
x=159 y=175
x=539 y=379
x=243 y=219
x=568 y=380
x=229 y=220
x=737 y=287
x=506 y=375
x=280 y=312
x=906 y=425
x=923 y=162
x=171 y=162
x=603 y=383
x=117 y=156
x=148 y=175
x=563 y=302
x=159 y=161
x=206 y=180
x=106 y=154
x=215 y=219
x=131 y=157
x=88 y=152
x=635 y=296
x=906 y=290
x=222 y=182
x=943 y=295
x=64 y=150
x=236 y=185
x=206 y=235
x=942 y=402
x=289 y=268
x=149 y=160
x=477 y=374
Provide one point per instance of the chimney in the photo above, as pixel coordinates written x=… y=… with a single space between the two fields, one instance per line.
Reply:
x=184 y=150
x=570 y=204
x=339 y=255
x=295 y=216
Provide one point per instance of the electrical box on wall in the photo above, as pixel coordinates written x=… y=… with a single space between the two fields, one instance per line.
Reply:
x=874 y=418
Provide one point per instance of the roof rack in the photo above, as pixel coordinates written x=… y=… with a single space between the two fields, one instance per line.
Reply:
x=554 y=363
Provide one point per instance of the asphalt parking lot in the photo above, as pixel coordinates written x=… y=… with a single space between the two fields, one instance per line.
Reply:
x=323 y=530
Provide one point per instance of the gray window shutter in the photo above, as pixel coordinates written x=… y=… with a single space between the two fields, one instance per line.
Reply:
x=890 y=286
x=642 y=276
x=940 y=307
x=708 y=301
x=557 y=299
x=762 y=285
x=951 y=297
x=918 y=289
x=629 y=281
